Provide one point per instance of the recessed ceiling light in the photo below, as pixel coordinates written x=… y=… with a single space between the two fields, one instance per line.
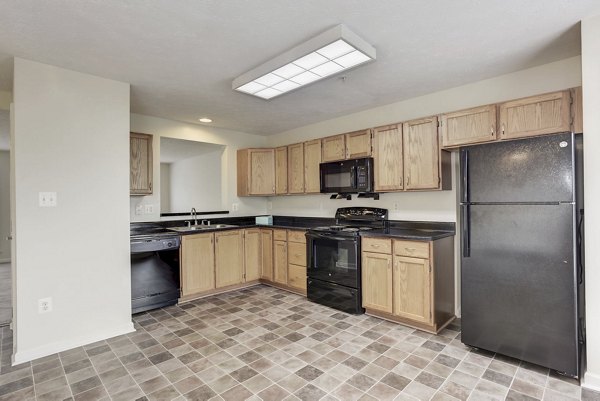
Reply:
x=327 y=54
x=205 y=120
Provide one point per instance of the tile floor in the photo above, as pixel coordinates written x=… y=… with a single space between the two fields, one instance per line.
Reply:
x=267 y=344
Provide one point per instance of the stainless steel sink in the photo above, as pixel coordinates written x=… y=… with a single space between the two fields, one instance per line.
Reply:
x=200 y=227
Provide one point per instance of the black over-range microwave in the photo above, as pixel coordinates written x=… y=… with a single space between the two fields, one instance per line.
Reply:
x=347 y=176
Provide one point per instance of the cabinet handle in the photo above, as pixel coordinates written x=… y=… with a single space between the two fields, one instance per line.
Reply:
x=375 y=245
x=492 y=130
x=410 y=249
x=503 y=129
x=150 y=186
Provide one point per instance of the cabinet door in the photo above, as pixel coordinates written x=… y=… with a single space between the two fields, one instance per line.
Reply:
x=387 y=158
x=358 y=144
x=536 y=115
x=267 y=254
x=333 y=148
x=281 y=170
x=469 y=126
x=197 y=263
x=412 y=289
x=229 y=258
x=421 y=154
x=377 y=281
x=280 y=262
x=252 y=254
x=312 y=158
x=296 y=168
x=577 y=110
x=262 y=172
x=297 y=276
x=140 y=164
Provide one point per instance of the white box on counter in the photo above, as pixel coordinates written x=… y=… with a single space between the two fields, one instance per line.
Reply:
x=265 y=220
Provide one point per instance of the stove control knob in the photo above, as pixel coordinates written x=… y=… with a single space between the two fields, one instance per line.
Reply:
x=169 y=244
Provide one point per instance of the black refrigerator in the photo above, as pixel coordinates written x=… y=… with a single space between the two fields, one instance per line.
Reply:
x=521 y=266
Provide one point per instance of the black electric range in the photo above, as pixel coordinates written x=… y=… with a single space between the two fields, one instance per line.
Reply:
x=334 y=263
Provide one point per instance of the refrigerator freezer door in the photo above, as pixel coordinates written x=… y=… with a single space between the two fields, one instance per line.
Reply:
x=519 y=284
x=530 y=170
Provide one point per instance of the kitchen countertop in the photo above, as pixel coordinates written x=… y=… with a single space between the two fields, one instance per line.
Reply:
x=418 y=231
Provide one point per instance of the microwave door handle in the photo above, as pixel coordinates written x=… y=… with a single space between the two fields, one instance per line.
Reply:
x=353 y=183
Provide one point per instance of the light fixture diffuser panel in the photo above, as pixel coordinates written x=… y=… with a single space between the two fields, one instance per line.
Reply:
x=329 y=53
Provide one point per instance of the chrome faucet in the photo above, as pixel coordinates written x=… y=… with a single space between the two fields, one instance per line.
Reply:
x=205 y=222
x=194 y=215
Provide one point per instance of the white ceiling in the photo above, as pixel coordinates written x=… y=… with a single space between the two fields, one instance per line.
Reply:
x=181 y=56
x=173 y=150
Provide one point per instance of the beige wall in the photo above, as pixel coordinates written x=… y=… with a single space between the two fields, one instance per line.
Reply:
x=5 y=100
x=233 y=140
x=73 y=141
x=590 y=55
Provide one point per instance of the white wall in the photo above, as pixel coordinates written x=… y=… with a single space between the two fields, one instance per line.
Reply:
x=233 y=140
x=4 y=205
x=71 y=135
x=590 y=55
x=196 y=183
x=165 y=187
x=5 y=100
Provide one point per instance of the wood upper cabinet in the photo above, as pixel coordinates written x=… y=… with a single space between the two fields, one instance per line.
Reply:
x=267 y=254
x=536 y=115
x=377 y=281
x=358 y=144
x=577 y=110
x=295 y=168
x=469 y=126
x=421 y=154
x=140 y=164
x=197 y=256
x=255 y=172
x=412 y=289
x=387 y=158
x=252 y=254
x=333 y=148
x=229 y=258
x=312 y=158
x=281 y=170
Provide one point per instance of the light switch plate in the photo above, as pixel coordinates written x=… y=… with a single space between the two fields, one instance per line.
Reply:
x=139 y=210
x=149 y=209
x=47 y=199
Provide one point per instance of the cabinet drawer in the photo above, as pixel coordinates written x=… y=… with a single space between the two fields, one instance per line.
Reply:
x=297 y=276
x=297 y=253
x=296 y=236
x=415 y=249
x=279 y=235
x=380 y=245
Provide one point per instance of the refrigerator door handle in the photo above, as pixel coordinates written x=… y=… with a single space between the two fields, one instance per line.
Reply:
x=466 y=230
x=465 y=175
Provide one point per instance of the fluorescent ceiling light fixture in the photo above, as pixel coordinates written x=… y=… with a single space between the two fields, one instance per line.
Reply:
x=329 y=53
x=205 y=120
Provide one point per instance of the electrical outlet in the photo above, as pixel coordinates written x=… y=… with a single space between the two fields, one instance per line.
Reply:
x=235 y=207
x=149 y=209
x=270 y=205
x=396 y=207
x=44 y=305
x=47 y=199
x=139 y=210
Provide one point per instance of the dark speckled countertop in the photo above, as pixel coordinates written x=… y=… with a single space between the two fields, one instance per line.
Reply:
x=411 y=230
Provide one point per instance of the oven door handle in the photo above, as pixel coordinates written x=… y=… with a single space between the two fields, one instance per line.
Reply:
x=333 y=237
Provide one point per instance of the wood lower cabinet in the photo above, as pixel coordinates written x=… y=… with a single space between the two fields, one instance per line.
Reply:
x=412 y=289
x=197 y=258
x=312 y=158
x=255 y=172
x=281 y=170
x=333 y=148
x=297 y=260
x=377 y=281
x=470 y=126
x=410 y=282
x=358 y=144
x=280 y=262
x=536 y=115
x=140 y=164
x=387 y=158
x=267 y=254
x=229 y=258
x=295 y=167
x=253 y=258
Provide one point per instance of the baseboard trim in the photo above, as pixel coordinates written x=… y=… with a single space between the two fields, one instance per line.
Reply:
x=591 y=381
x=59 y=346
